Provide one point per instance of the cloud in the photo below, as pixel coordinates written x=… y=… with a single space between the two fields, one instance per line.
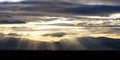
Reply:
x=62 y=24
x=95 y=2
x=13 y=34
x=12 y=22
x=92 y=10
x=55 y=8
x=61 y=9
x=58 y=34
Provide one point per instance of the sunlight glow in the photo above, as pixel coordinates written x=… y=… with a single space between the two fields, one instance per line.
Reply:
x=115 y=15
x=48 y=31
x=2 y=0
x=10 y=0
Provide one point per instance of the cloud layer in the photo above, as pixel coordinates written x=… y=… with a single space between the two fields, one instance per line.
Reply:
x=108 y=2
x=93 y=10
x=62 y=8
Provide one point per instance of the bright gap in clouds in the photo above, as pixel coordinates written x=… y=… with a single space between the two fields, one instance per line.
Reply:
x=10 y=0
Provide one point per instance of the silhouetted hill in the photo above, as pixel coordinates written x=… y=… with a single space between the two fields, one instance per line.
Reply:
x=80 y=43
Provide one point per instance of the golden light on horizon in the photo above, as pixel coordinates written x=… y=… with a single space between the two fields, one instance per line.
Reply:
x=115 y=15
x=35 y=30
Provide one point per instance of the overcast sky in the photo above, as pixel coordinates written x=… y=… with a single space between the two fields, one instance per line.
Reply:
x=108 y=2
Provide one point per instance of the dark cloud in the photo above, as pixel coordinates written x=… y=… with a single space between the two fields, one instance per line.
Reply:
x=13 y=34
x=92 y=10
x=59 y=9
x=58 y=34
x=106 y=2
x=79 y=9
x=12 y=22
x=97 y=2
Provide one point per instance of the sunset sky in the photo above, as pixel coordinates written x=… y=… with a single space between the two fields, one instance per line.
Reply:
x=59 y=25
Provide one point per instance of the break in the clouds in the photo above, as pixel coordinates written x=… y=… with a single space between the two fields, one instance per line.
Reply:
x=79 y=43
x=108 y=2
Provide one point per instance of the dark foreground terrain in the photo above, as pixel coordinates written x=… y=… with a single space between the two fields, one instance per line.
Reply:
x=84 y=43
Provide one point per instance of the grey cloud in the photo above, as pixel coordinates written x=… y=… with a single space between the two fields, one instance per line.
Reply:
x=13 y=34
x=79 y=9
x=92 y=10
x=61 y=9
x=108 y=2
x=58 y=34
x=12 y=22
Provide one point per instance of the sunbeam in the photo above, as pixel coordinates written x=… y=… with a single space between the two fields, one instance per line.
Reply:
x=59 y=25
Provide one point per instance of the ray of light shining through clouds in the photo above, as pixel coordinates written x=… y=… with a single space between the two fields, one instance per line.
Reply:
x=59 y=25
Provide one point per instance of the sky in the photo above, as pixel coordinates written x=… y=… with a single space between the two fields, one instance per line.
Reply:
x=60 y=24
